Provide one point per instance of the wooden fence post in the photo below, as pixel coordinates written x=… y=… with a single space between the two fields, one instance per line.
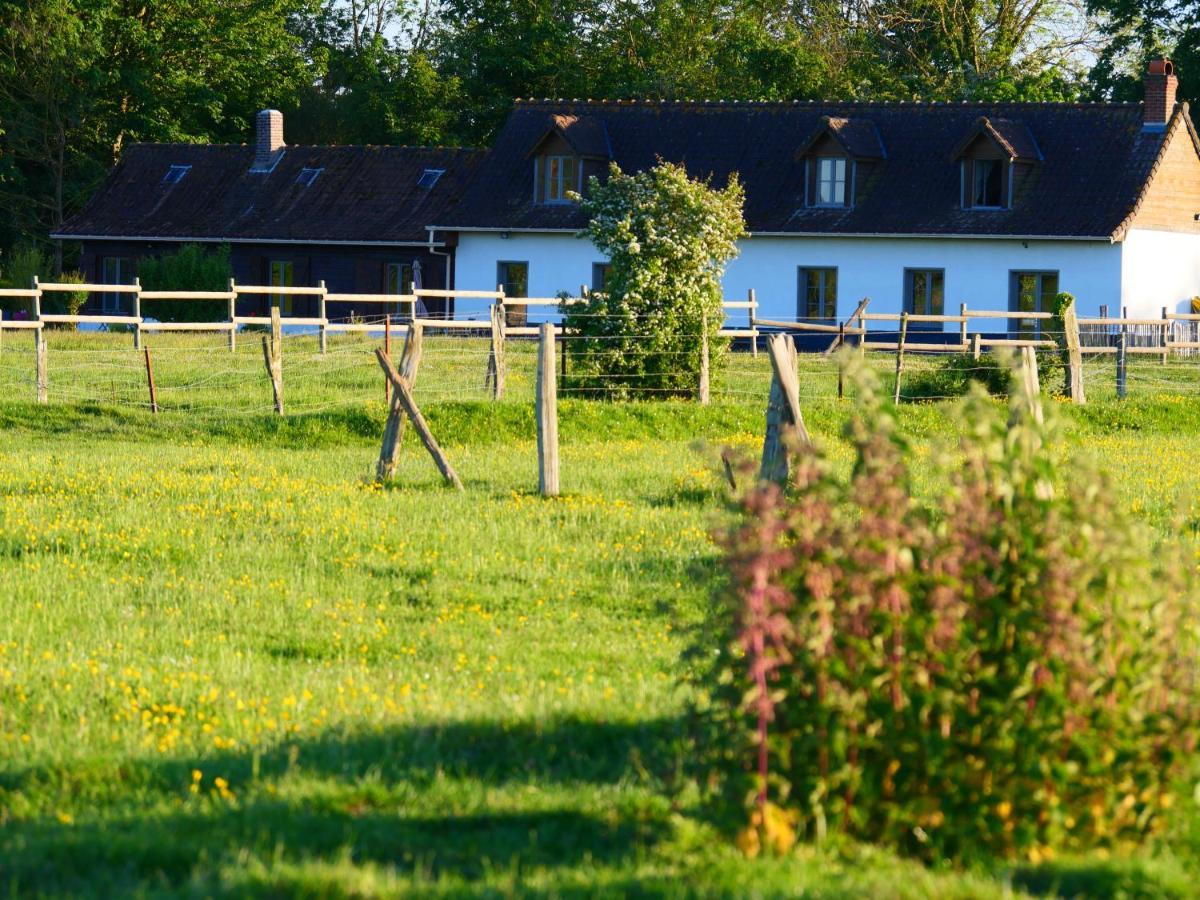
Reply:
x=783 y=409
x=497 y=366
x=137 y=312
x=962 y=326
x=322 y=335
x=900 y=355
x=43 y=383
x=976 y=347
x=150 y=382
x=273 y=356
x=1030 y=384
x=841 y=368
x=1121 y=384
x=547 y=414
x=702 y=394
x=1166 y=326
x=404 y=400
x=753 y=298
x=232 y=315
x=1074 y=355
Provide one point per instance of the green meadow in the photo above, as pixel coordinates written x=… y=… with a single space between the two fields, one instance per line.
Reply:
x=231 y=664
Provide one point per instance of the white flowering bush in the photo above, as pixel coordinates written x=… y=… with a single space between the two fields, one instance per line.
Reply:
x=668 y=238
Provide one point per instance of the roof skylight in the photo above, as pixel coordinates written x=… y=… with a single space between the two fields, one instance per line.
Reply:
x=308 y=176
x=175 y=174
x=429 y=178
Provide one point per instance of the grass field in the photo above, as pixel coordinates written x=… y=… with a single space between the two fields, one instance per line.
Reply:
x=230 y=664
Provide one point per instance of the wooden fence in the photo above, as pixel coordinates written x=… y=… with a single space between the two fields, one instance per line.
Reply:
x=405 y=306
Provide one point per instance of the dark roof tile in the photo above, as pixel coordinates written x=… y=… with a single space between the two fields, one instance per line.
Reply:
x=367 y=194
x=1095 y=160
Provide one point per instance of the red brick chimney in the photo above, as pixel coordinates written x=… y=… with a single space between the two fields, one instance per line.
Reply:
x=1160 y=93
x=268 y=144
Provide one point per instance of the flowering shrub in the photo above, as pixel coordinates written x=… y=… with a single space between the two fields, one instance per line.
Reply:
x=1008 y=669
x=668 y=239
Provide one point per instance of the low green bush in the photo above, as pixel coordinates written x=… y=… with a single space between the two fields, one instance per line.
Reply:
x=952 y=375
x=1006 y=670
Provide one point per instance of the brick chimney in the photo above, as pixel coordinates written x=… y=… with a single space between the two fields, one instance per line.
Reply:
x=1160 y=93
x=268 y=143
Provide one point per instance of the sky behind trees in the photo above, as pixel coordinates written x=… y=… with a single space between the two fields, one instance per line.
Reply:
x=81 y=78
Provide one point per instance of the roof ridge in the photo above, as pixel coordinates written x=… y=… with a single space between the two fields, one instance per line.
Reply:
x=868 y=104
x=437 y=147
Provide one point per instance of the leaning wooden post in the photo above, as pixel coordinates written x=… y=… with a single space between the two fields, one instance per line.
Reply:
x=547 y=414
x=232 y=315
x=137 y=314
x=497 y=366
x=405 y=401
x=900 y=355
x=1074 y=355
x=753 y=298
x=783 y=409
x=150 y=382
x=702 y=391
x=322 y=335
x=393 y=433
x=43 y=383
x=387 y=348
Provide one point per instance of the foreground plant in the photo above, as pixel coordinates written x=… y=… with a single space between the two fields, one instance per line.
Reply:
x=1007 y=670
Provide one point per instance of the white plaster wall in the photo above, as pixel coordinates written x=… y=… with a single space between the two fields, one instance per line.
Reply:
x=976 y=270
x=1159 y=268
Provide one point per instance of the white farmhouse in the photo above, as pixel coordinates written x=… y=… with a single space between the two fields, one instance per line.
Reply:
x=918 y=206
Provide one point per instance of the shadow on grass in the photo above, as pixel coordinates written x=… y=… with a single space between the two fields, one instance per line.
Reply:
x=362 y=797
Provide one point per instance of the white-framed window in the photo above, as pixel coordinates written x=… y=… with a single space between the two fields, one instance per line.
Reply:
x=831 y=181
x=559 y=175
x=399 y=281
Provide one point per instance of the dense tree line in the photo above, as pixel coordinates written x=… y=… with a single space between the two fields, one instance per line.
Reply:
x=81 y=78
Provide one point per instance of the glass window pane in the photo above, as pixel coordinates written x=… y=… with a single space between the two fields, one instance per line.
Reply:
x=830 y=292
x=919 y=291
x=1049 y=290
x=937 y=293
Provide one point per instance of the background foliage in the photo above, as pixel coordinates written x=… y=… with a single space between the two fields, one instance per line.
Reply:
x=190 y=268
x=79 y=79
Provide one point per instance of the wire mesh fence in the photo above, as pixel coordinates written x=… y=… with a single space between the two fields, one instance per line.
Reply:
x=198 y=373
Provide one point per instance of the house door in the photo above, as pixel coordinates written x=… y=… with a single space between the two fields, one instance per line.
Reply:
x=114 y=270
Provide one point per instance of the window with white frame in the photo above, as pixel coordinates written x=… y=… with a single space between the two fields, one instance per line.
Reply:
x=559 y=175
x=831 y=181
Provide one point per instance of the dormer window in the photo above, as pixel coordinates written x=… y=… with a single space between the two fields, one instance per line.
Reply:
x=995 y=155
x=560 y=174
x=840 y=157
x=571 y=150
x=831 y=181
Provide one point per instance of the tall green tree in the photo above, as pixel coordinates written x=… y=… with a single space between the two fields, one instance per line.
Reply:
x=1137 y=31
x=80 y=78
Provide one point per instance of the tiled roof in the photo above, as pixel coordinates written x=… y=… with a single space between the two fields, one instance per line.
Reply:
x=1095 y=159
x=1010 y=136
x=359 y=194
x=858 y=137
